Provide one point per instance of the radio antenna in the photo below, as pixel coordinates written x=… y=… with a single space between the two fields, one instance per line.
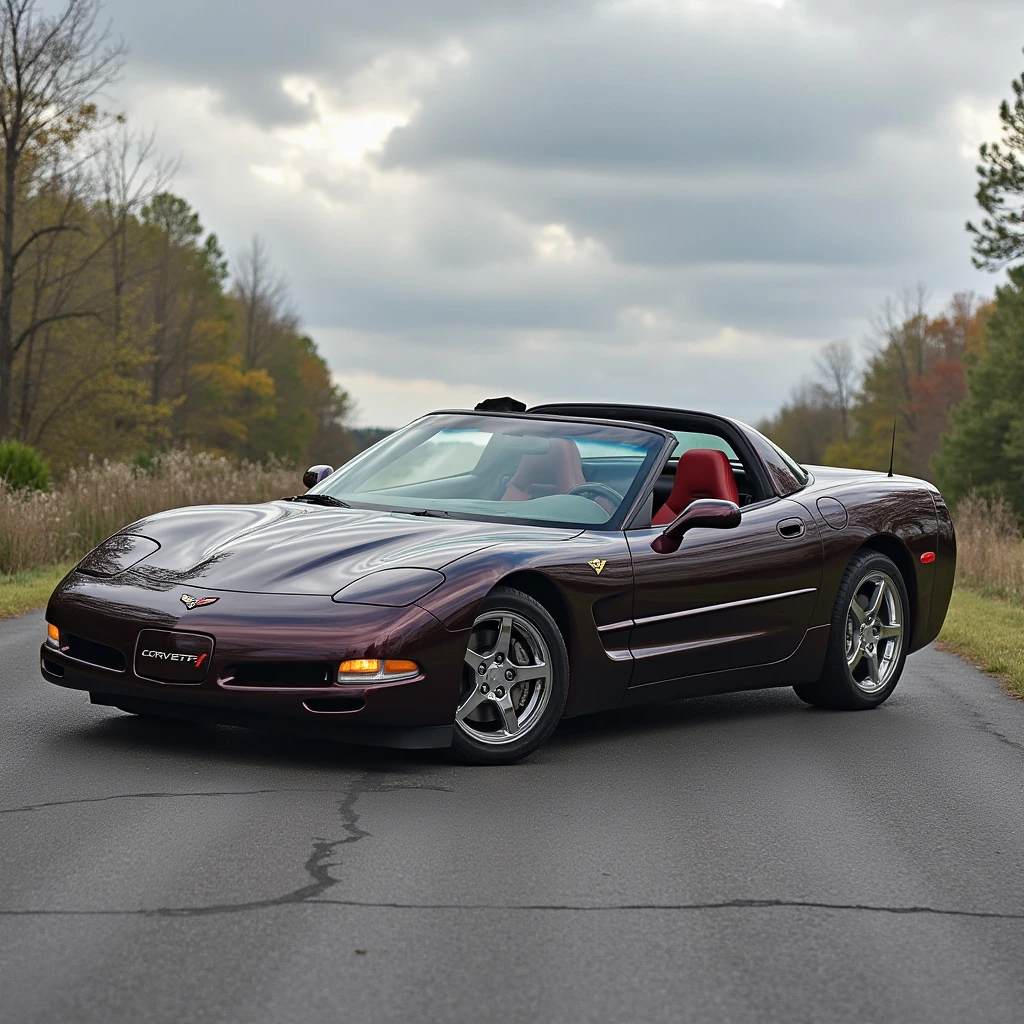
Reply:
x=892 y=452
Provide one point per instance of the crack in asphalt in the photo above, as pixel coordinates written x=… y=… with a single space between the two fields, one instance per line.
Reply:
x=318 y=864
x=987 y=727
x=199 y=793
x=734 y=904
x=321 y=862
x=153 y=796
x=317 y=867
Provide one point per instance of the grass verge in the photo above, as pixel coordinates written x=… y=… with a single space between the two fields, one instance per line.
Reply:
x=989 y=633
x=27 y=590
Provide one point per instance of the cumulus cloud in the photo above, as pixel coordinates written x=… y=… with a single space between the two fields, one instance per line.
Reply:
x=674 y=201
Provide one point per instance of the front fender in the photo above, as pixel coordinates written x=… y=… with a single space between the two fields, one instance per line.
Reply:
x=585 y=582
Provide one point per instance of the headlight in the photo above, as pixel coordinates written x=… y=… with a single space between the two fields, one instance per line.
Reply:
x=376 y=670
x=116 y=554
x=394 y=588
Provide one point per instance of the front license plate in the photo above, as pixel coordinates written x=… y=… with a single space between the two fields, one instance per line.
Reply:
x=172 y=657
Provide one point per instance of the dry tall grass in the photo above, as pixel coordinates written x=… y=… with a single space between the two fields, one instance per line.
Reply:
x=990 y=549
x=45 y=529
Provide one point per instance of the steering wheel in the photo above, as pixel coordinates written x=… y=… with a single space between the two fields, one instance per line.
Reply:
x=601 y=490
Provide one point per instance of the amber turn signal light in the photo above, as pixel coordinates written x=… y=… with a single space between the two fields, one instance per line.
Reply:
x=52 y=635
x=368 y=670
x=361 y=666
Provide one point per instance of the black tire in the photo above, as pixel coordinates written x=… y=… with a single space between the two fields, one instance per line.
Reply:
x=863 y=662
x=535 y=697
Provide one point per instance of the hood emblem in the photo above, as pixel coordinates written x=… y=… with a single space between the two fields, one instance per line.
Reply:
x=191 y=602
x=597 y=564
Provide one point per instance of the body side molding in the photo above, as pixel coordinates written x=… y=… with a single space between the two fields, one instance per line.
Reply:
x=629 y=623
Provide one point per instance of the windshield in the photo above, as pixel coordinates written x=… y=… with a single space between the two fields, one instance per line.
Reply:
x=497 y=468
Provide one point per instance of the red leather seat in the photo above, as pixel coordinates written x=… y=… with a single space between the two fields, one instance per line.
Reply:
x=556 y=471
x=701 y=473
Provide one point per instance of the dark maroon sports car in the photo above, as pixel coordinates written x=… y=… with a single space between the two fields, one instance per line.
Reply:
x=476 y=577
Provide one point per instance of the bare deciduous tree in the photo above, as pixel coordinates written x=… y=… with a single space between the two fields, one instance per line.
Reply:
x=265 y=301
x=902 y=341
x=837 y=373
x=130 y=174
x=52 y=67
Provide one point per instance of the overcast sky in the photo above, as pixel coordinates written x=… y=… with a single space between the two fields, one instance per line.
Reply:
x=668 y=201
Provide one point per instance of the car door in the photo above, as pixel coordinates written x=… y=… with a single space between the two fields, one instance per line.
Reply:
x=726 y=599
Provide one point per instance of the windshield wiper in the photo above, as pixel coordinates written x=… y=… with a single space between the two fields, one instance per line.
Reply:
x=320 y=499
x=424 y=512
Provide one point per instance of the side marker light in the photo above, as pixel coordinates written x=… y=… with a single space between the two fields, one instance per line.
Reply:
x=928 y=557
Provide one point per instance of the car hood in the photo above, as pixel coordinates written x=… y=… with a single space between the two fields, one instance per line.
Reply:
x=291 y=548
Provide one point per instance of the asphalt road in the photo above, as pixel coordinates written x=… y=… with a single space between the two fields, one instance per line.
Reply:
x=736 y=858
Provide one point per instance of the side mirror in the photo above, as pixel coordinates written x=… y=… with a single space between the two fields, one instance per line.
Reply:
x=709 y=513
x=315 y=474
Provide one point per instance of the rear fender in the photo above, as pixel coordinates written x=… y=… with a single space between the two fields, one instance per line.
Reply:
x=898 y=517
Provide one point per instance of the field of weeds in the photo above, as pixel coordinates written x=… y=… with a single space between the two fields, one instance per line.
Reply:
x=990 y=549
x=39 y=529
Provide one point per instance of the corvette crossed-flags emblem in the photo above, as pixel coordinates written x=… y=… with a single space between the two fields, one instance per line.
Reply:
x=597 y=564
x=191 y=602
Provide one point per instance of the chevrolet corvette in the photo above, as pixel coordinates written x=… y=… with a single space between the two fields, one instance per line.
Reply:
x=476 y=577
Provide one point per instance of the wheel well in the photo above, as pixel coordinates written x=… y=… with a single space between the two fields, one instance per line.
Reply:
x=539 y=587
x=894 y=548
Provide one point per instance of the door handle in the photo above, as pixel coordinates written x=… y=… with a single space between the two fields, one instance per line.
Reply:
x=790 y=528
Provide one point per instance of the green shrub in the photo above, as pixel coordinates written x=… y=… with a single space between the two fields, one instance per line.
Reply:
x=148 y=462
x=21 y=467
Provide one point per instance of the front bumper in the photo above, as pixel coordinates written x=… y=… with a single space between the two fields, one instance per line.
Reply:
x=253 y=629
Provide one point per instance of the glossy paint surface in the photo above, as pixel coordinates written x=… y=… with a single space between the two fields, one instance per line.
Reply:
x=898 y=515
x=748 y=606
x=266 y=628
x=290 y=548
x=727 y=598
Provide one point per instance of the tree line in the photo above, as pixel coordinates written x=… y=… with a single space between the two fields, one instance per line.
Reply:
x=914 y=374
x=122 y=331
x=952 y=382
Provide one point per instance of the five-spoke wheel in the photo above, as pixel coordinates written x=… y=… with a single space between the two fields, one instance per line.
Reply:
x=515 y=680
x=868 y=638
x=874 y=632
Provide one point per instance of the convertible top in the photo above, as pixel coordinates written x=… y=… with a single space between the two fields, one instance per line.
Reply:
x=650 y=415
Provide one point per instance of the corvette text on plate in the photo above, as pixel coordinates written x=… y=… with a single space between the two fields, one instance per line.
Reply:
x=198 y=659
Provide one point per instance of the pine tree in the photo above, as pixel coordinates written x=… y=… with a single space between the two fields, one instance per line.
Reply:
x=1000 y=238
x=985 y=450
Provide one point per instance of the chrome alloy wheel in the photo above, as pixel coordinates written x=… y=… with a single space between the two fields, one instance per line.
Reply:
x=506 y=678
x=874 y=632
